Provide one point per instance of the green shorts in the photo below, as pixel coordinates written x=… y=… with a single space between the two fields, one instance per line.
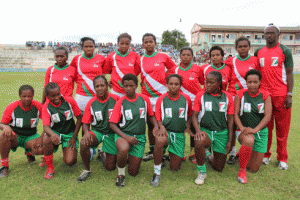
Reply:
x=176 y=143
x=260 y=141
x=219 y=139
x=64 y=139
x=22 y=140
x=109 y=144
x=136 y=150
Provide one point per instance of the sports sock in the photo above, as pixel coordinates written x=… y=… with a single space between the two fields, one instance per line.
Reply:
x=207 y=152
x=4 y=162
x=121 y=171
x=233 y=151
x=49 y=161
x=245 y=154
x=201 y=169
x=157 y=169
x=29 y=154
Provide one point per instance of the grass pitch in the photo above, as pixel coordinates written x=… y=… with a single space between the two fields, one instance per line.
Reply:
x=27 y=181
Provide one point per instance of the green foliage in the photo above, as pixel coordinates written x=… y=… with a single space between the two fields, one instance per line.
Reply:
x=170 y=38
x=27 y=181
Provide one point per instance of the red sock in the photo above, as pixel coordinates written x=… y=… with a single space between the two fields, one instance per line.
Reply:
x=4 y=162
x=245 y=154
x=49 y=161
x=29 y=154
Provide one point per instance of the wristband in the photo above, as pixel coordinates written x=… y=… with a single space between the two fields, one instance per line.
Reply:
x=290 y=94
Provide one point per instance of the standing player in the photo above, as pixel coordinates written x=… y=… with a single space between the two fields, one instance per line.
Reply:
x=252 y=112
x=216 y=55
x=173 y=111
x=239 y=65
x=61 y=73
x=130 y=113
x=153 y=75
x=216 y=111
x=97 y=113
x=59 y=127
x=122 y=62
x=191 y=79
x=18 y=126
x=276 y=67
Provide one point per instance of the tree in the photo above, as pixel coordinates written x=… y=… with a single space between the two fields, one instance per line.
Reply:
x=170 y=38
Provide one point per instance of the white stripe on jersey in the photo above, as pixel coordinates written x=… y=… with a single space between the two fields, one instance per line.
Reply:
x=84 y=77
x=283 y=73
x=117 y=68
x=186 y=110
x=202 y=112
x=13 y=123
x=51 y=121
x=156 y=85
x=94 y=118
x=123 y=118
x=238 y=76
x=191 y=95
x=51 y=72
x=227 y=107
x=206 y=68
x=242 y=106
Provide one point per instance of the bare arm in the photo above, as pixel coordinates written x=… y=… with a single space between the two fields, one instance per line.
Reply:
x=44 y=97
x=290 y=85
x=78 y=125
x=195 y=121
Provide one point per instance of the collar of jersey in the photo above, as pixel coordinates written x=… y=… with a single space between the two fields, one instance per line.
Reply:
x=215 y=95
x=154 y=54
x=212 y=65
x=58 y=68
x=56 y=106
x=255 y=95
x=186 y=69
x=104 y=100
x=24 y=108
x=132 y=100
x=87 y=57
x=242 y=58
x=119 y=54
x=172 y=98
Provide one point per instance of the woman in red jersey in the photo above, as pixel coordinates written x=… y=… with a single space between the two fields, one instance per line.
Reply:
x=122 y=62
x=191 y=79
x=240 y=65
x=61 y=73
x=153 y=77
x=19 y=127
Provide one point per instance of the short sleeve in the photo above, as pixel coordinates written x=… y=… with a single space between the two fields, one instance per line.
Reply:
x=74 y=61
x=107 y=67
x=7 y=114
x=47 y=76
x=87 y=115
x=150 y=111
x=39 y=106
x=230 y=109
x=201 y=75
x=74 y=106
x=116 y=114
x=265 y=94
x=46 y=115
x=169 y=63
x=137 y=65
x=197 y=102
x=288 y=61
x=158 y=108
x=229 y=62
x=240 y=93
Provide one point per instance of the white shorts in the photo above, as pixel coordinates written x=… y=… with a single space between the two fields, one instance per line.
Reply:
x=82 y=101
x=153 y=102
x=117 y=93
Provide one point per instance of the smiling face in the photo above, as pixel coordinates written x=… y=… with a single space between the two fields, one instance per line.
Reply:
x=26 y=98
x=101 y=87
x=129 y=88
x=54 y=95
x=211 y=84
x=216 y=57
x=149 y=43
x=88 y=48
x=61 y=57
x=243 y=48
x=174 y=85
x=124 y=45
x=253 y=83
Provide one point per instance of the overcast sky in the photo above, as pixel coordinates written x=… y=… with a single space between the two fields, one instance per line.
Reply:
x=65 y=20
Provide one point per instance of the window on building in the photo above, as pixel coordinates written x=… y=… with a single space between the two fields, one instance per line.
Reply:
x=259 y=37
x=298 y=36
x=227 y=36
x=213 y=38
x=291 y=37
x=248 y=36
x=219 y=36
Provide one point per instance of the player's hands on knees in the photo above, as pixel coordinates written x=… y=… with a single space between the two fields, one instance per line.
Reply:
x=55 y=139
x=248 y=130
x=7 y=132
x=72 y=143
x=87 y=139
x=132 y=140
x=198 y=135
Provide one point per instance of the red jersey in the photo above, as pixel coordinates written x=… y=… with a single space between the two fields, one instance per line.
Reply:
x=272 y=64
x=154 y=73
x=86 y=70
x=118 y=65
x=64 y=77
x=239 y=68
x=191 y=79
x=225 y=71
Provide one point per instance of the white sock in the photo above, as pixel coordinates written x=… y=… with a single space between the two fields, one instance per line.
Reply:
x=121 y=171
x=233 y=151
x=157 y=169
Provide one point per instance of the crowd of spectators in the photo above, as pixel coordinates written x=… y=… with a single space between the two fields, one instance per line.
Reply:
x=35 y=45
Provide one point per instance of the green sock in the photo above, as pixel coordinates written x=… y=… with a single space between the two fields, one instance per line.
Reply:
x=207 y=152
x=201 y=169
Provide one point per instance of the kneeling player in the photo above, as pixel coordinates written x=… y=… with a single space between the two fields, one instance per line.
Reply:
x=172 y=112
x=59 y=127
x=132 y=110
x=252 y=112
x=97 y=113
x=216 y=125
x=18 y=126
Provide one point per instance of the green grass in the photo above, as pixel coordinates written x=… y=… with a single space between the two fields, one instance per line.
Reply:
x=27 y=181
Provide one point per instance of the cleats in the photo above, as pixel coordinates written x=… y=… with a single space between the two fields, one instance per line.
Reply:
x=232 y=160
x=100 y=154
x=242 y=176
x=283 y=165
x=120 y=181
x=266 y=161
x=149 y=156
x=3 y=171
x=193 y=159
x=200 y=179
x=31 y=158
x=49 y=174
x=43 y=163
x=155 y=180
x=84 y=175
x=93 y=152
